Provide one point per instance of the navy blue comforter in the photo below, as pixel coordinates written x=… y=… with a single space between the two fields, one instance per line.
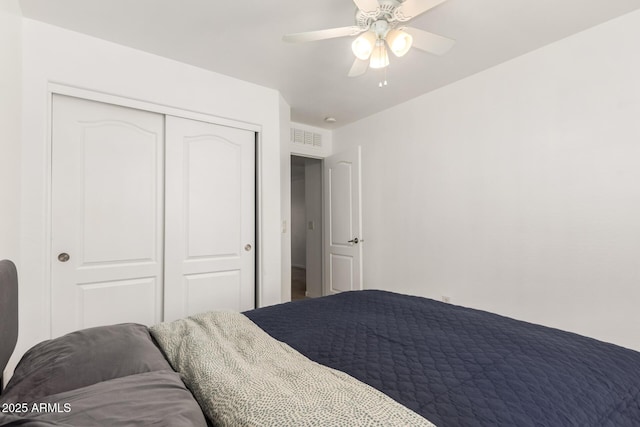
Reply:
x=461 y=367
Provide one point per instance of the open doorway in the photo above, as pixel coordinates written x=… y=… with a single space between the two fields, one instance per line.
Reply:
x=306 y=228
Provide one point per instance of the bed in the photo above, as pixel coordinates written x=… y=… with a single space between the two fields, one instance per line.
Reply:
x=444 y=364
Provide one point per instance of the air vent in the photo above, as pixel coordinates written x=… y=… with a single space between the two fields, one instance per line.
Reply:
x=299 y=136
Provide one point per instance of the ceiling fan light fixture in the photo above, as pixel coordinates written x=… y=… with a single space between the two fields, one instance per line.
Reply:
x=379 y=26
x=399 y=42
x=362 y=47
x=379 y=57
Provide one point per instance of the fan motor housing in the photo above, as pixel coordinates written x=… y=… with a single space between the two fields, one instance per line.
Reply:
x=385 y=12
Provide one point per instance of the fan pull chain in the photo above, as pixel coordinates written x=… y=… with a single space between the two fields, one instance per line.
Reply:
x=383 y=82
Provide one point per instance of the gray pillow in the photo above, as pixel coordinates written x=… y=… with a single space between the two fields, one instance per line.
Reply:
x=83 y=358
x=156 y=398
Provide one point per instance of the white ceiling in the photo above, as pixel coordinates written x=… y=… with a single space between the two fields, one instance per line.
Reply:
x=243 y=39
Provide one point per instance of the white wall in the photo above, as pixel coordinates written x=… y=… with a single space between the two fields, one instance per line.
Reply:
x=52 y=54
x=10 y=134
x=285 y=200
x=10 y=117
x=516 y=190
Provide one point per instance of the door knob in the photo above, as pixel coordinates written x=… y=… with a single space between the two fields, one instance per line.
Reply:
x=63 y=257
x=247 y=247
x=355 y=241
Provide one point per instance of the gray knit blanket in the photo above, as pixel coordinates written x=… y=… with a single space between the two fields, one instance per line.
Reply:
x=241 y=376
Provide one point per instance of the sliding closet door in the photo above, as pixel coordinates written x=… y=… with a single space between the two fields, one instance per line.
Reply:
x=210 y=218
x=107 y=215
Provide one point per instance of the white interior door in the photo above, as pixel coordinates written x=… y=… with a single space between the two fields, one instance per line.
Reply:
x=210 y=218
x=343 y=231
x=107 y=215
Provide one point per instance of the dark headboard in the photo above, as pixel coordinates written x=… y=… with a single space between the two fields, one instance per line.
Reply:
x=8 y=312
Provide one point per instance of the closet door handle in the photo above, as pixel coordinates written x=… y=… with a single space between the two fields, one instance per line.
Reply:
x=63 y=257
x=247 y=247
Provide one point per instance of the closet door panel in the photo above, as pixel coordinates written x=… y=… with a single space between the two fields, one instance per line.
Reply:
x=213 y=200
x=119 y=195
x=135 y=300
x=222 y=287
x=210 y=218
x=107 y=214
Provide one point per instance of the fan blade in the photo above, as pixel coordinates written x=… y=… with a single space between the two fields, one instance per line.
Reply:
x=358 y=68
x=430 y=42
x=412 y=8
x=330 y=33
x=367 y=6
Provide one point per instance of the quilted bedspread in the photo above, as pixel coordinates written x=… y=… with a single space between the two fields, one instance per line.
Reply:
x=241 y=376
x=462 y=367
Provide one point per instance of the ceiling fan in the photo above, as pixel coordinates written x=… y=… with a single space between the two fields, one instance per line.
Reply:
x=380 y=24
